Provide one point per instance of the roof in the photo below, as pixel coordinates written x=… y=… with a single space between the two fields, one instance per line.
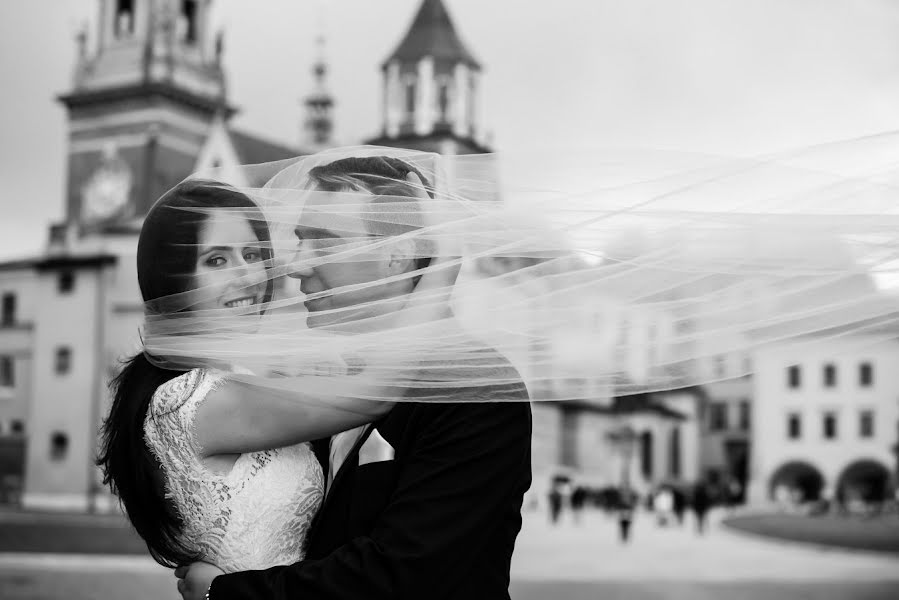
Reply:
x=19 y=264
x=432 y=34
x=76 y=261
x=252 y=150
x=627 y=405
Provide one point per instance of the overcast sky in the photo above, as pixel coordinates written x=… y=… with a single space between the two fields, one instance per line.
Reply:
x=731 y=77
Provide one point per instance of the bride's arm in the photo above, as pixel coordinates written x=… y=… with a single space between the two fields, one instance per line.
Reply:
x=239 y=417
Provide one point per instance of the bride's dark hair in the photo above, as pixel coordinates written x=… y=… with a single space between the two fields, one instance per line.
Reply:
x=166 y=259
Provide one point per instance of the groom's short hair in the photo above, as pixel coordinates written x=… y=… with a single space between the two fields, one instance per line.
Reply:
x=385 y=178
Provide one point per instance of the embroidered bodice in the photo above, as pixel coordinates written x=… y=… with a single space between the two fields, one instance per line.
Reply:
x=253 y=517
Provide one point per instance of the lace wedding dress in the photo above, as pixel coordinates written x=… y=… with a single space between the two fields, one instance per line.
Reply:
x=253 y=517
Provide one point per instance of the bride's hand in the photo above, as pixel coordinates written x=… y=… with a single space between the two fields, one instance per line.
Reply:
x=430 y=299
x=194 y=579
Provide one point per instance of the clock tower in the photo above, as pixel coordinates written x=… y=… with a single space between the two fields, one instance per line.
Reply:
x=145 y=94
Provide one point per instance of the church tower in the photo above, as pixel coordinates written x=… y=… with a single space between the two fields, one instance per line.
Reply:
x=431 y=88
x=319 y=122
x=143 y=98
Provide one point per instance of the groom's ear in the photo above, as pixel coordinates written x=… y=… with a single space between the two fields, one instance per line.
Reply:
x=402 y=257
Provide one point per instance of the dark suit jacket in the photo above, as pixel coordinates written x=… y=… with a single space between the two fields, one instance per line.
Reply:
x=439 y=521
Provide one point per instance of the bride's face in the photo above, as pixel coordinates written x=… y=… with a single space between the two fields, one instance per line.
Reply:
x=230 y=272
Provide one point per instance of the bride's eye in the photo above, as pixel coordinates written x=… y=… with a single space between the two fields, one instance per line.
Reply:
x=215 y=261
x=252 y=256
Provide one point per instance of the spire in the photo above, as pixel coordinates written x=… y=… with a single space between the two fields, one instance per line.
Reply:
x=319 y=121
x=432 y=34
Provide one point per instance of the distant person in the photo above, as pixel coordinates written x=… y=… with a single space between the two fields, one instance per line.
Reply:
x=578 y=499
x=663 y=505
x=626 y=516
x=701 y=504
x=680 y=505
x=555 y=504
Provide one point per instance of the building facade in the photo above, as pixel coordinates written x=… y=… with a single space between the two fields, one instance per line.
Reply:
x=148 y=107
x=830 y=409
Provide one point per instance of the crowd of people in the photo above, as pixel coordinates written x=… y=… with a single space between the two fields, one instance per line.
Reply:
x=668 y=504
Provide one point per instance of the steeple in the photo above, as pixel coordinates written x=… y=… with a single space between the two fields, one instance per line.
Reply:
x=165 y=42
x=431 y=87
x=319 y=120
x=144 y=95
x=432 y=34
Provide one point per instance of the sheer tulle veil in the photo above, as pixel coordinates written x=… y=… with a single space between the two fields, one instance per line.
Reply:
x=596 y=274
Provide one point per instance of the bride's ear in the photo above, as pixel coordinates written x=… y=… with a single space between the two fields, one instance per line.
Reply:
x=402 y=257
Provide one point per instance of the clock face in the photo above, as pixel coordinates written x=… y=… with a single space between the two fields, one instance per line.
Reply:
x=106 y=192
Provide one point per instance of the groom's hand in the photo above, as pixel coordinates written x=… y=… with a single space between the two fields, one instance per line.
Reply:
x=194 y=579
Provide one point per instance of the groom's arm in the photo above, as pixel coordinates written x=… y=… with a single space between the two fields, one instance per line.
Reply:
x=472 y=463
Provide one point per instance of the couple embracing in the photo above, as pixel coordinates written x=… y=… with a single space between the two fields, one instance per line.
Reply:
x=366 y=488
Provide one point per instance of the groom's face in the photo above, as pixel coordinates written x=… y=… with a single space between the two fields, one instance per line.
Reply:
x=334 y=253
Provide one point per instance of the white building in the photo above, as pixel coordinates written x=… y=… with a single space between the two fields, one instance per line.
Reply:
x=828 y=415
x=148 y=107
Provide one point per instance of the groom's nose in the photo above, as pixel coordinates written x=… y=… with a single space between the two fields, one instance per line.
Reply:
x=300 y=266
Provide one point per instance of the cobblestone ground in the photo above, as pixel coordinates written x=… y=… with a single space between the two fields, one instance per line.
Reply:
x=568 y=562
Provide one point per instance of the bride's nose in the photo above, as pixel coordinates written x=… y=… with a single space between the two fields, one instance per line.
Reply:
x=248 y=274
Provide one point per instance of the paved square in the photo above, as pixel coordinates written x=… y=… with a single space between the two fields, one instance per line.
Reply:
x=568 y=562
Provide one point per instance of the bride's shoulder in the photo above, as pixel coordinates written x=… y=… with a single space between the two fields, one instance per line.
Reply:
x=172 y=394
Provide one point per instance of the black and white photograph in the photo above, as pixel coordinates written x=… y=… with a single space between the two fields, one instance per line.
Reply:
x=449 y=300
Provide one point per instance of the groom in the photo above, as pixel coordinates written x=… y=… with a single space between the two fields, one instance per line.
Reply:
x=424 y=503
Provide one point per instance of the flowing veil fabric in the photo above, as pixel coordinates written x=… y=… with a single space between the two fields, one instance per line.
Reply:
x=596 y=273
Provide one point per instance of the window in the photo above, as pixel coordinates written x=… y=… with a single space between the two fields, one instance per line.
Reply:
x=866 y=424
x=8 y=316
x=124 y=18
x=63 y=360
x=830 y=375
x=674 y=464
x=65 y=283
x=747 y=365
x=189 y=12
x=865 y=374
x=7 y=371
x=569 y=430
x=794 y=426
x=794 y=376
x=443 y=102
x=59 y=445
x=720 y=366
x=718 y=416
x=745 y=416
x=646 y=454
x=830 y=425
x=410 y=98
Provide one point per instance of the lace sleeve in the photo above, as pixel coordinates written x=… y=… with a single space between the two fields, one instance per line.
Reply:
x=169 y=428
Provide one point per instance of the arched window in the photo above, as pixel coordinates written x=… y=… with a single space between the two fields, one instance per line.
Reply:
x=443 y=102
x=123 y=24
x=189 y=13
x=410 y=99
x=59 y=445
